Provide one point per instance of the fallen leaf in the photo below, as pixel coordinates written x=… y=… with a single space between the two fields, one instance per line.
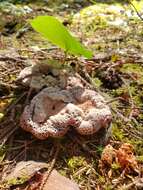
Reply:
x=108 y=155
x=23 y=171
x=123 y=157
x=126 y=158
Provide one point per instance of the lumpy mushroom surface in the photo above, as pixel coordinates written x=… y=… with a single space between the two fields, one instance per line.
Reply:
x=55 y=109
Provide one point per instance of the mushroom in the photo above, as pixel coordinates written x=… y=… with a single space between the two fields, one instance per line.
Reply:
x=53 y=110
x=63 y=101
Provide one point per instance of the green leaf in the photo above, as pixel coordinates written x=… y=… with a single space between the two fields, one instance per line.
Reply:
x=56 y=32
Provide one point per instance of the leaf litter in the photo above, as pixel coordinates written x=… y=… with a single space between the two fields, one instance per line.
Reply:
x=114 y=33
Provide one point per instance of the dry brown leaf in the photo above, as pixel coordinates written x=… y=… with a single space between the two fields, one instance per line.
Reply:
x=107 y=158
x=23 y=171
x=126 y=159
x=108 y=155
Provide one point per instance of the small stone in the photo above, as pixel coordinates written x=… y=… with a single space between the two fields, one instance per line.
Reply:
x=58 y=182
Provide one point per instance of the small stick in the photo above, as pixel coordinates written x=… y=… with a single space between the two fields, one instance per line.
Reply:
x=12 y=105
x=114 y=100
x=8 y=85
x=7 y=97
x=134 y=183
x=139 y=15
x=46 y=176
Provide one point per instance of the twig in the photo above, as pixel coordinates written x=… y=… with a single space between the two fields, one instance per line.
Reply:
x=8 y=85
x=46 y=176
x=7 y=97
x=5 y=163
x=120 y=115
x=138 y=182
x=114 y=100
x=7 y=136
x=12 y=105
x=139 y=15
x=14 y=59
x=28 y=95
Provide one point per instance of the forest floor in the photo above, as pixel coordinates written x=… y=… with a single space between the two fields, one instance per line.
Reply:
x=114 y=32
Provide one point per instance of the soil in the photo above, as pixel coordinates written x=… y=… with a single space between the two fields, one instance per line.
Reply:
x=113 y=31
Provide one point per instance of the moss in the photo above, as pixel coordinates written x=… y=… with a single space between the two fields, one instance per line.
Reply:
x=2 y=152
x=62 y=172
x=76 y=162
x=115 y=166
x=133 y=68
x=109 y=187
x=97 y=82
x=16 y=181
x=117 y=132
x=140 y=159
x=137 y=144
x=99 y=149
x=101 y=179
x=119 y=91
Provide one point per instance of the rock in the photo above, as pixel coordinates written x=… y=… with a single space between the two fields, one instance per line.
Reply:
x=59 y=182
x=11 y=15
